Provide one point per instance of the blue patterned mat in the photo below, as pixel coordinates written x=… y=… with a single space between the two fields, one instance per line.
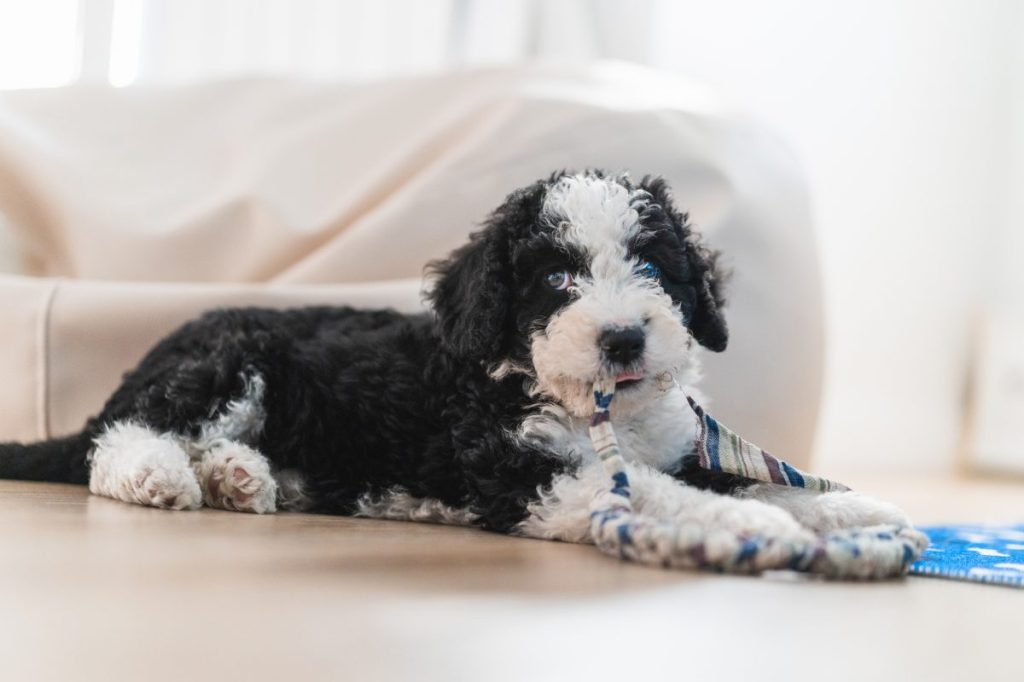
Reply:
x=985 y=554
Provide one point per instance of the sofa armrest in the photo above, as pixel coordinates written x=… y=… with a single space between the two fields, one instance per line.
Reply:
x=66 y=342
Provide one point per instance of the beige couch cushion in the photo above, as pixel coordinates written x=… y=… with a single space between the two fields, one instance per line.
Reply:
x=198 y=189
x=67 y=342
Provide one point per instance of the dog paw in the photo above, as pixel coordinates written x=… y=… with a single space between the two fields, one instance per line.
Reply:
x=873 y=553
x=749 y=536
x=238 y=478
x=918 y=540
x=835 y=511
x=166 y=488
x=132 y=463
x=751 y=518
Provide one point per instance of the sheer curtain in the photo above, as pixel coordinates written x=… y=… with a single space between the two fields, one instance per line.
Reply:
x=57 y=42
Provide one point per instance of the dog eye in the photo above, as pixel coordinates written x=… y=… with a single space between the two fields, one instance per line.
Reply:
x=650 y=270
x=559 y=279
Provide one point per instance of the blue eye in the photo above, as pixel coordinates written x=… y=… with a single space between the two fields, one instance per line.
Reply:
x=650 y=270
x=559 y=279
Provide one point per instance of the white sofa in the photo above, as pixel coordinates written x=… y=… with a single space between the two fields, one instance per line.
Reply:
x=134 y=209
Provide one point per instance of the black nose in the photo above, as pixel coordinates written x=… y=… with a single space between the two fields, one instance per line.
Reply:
x=622 y=346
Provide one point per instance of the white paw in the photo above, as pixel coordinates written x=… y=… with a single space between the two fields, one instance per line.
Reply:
x=838 y=510
x=751 y=518
x=132 y=463
x=236 y=477
x=166 y=488
x=918 y=540
x=872 y=553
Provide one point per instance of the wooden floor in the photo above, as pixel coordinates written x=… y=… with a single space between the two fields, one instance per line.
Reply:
x=92 y=589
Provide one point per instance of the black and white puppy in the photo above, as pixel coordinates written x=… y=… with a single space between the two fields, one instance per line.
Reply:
x=475 y=414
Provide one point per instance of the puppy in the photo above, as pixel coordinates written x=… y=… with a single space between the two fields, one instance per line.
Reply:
x=474 y=414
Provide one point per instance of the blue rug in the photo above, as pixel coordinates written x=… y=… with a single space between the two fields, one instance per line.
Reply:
x=984 y=554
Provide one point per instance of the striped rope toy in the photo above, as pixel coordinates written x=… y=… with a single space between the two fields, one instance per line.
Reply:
x=875 y=552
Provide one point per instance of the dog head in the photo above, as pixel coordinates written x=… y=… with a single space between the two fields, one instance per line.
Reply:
x=579 y=276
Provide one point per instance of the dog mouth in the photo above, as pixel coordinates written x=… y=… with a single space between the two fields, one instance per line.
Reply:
x=629 y=379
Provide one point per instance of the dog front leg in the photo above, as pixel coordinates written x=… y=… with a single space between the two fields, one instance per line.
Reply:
x=562 y=512
x=827 y=512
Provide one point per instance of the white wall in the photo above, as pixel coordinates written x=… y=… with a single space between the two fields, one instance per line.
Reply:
x=901 y=112
x=1006 y=281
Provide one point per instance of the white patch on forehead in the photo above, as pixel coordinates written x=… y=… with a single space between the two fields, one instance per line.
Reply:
x=596 y=215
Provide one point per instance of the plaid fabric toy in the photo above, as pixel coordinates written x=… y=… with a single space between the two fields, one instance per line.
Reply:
x=875 y=552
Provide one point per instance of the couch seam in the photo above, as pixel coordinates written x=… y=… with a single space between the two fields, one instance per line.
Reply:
x=43 y=364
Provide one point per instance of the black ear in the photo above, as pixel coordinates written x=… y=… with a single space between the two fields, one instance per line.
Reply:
x=708 y=322
x=471 y=296
x=472 y=292
x=706 y=277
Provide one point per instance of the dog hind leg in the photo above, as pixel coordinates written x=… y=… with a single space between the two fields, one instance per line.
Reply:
x=133 y=463
x=236 y=477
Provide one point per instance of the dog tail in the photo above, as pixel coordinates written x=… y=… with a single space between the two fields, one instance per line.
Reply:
x=61 y=460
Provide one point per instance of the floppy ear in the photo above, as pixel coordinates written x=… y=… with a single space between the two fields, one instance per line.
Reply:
x=706 y=278
x=472 y=293
x=708 y=321
x=471 y=296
